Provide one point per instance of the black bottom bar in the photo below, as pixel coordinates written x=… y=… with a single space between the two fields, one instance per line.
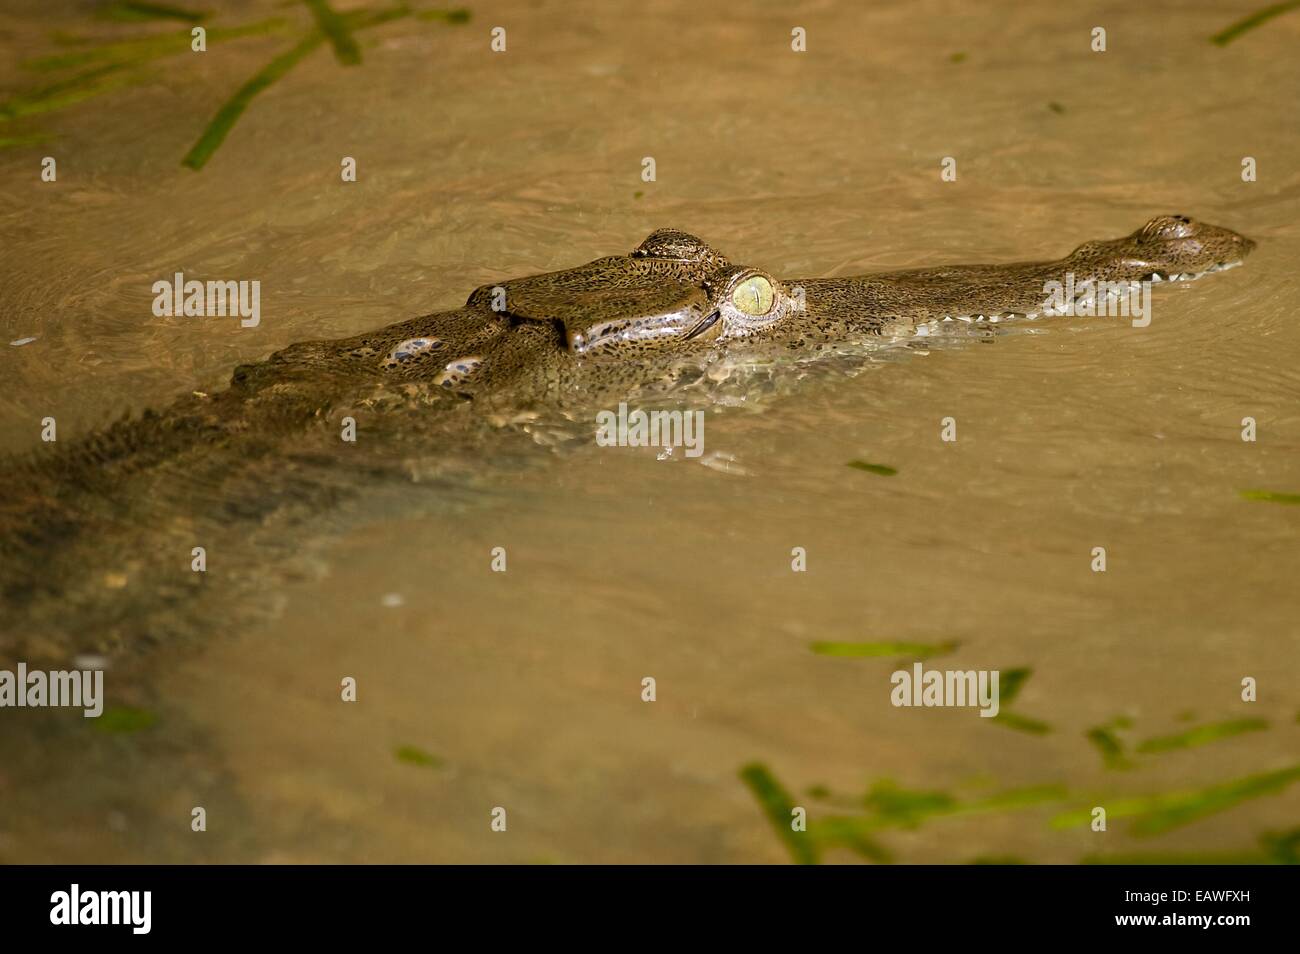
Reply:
x=214 y=904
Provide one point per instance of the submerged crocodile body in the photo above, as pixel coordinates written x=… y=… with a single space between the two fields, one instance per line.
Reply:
x=604 y=329
x=554 y=343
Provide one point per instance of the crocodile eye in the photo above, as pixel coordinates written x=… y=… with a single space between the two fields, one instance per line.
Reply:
x=1169 y=227
x=753 y=296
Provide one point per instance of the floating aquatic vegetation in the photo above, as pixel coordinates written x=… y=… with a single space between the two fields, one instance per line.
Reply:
x=104 y=68
x=1154 y=814
x=74 y=89
x=884 y=470
x=225 y=118
x=456 y=15
x=131 y=11
x=229 y=114
x=778 y=806
x=1056 y=107
x=837 y=832
x=1201 y=735
x=878 y=649
x=1282 y=846
x=122 y=719
x=1270 y=496
x=140 y=49
x=109 y=65
x=28 y=139
x=1108 y=744
x=215 y=134
x=905 y=808
x=411 y=755
x=857 y=820
x=891 y=807
x=1010 y=682
x=1274 y=849
x=885 y=806
x=336 y=29
x=1258 y=18
x=1021 y=723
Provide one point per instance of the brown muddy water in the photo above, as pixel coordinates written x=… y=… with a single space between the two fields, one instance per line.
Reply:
x=523 y=690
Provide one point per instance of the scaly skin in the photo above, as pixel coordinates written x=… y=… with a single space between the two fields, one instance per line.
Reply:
x=601 y=328
x=563 y=343
x=1166 y=248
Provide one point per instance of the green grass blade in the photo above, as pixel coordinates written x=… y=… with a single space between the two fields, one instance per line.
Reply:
x=883 y=470
x=848 y=832
x=229 y=114
x=123 y=719
x=132 y=11
x=778 y=806
x=1105 y=741
x=411 y=755
x=140 y=49
x=1258 y=18
x=337 y=30
x=1010 y=682
x=1270 y=496
x=1155 y=814
x=29 y=139
x=890 y=806
x=84 y=85
x=1014 y=720
x=457 y=15
x=1201 y=735
x=874 y=650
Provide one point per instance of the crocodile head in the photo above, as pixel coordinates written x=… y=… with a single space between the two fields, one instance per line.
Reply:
x=1168 y=248
x=618 y=319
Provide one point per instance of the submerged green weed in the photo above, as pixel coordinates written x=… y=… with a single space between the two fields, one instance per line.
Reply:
x=855 y=822
x=337 y=30
x=1270 y=496
x=1153 y=814
x=1105 y=741
x=411 y=755
x=133 y=11
x=778 y=807
x=1010 y=682
x=123 y=719
x=219 y=128
x=104 y=65
x=1201 y=735
x=1256 y=19
x=882 y=470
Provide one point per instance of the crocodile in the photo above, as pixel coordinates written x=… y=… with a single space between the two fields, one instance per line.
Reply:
x=519 y=351
x=561 y=332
